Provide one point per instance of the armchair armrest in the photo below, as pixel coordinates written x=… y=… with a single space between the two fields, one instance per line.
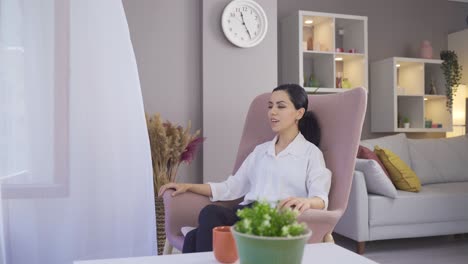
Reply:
x=354 y=223
x=183 y=209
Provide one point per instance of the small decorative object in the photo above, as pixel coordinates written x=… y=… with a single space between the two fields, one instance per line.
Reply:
x=244 y=16
x=406 y=122
x=439 y=125
x=267 y=235
x=352 y=50
x=346 y=83
x=426 y=50
x=310 y=43
x=339 y=38
x=312 y=82
x=317 y=45
x=433 y=87
x=339 y=50
x=452 y=73
x=224 y=246
x=339 y=76
x=434 y=125
x=170 y=146
x=401 y=90
x=428 y=123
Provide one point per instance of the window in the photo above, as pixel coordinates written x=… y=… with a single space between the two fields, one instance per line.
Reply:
x=34 y=81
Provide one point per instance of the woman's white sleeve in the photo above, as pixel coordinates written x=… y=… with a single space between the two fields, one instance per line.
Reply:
x=236 y=185
x=318 y=178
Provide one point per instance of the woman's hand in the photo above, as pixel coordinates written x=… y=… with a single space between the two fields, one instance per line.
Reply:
x=178 y=187
x=300 y=204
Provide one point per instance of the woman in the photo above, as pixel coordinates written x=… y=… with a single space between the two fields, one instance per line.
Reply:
x=289 y=169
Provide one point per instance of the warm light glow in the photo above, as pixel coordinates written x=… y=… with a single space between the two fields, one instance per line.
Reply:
x=398 y=65
x=339 y=59
x=425 y=99
x=458 y=112
x=459 y=105
x=308 y=22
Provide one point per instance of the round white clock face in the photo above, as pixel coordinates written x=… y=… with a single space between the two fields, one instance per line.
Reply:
x=244 y=23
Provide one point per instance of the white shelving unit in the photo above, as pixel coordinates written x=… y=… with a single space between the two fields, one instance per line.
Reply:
x=400 y=88
x=309 y=47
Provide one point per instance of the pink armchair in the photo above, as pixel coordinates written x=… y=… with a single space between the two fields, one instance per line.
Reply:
x=340 y=116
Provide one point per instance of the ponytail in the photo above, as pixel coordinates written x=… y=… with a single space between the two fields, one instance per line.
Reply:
x=309 y=127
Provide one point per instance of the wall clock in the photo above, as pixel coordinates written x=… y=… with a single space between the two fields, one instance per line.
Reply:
x=244 y=23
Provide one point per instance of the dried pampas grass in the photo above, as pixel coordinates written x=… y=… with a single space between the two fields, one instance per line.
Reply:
x=170 y=146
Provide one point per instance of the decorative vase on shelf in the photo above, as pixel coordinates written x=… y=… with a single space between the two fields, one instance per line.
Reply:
x=339 y=79
x=433 y=87
x=426 y=50
x=406 y=125
x=310 y=43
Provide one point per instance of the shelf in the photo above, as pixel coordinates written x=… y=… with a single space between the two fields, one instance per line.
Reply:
x=422 y=130
x=308 y=45
x=349 y=34
x=349 y=54
x=310 y=54
x=418 y=60
x=320 y=32
x=320 y=66
x=435 y=96
x=401 y=88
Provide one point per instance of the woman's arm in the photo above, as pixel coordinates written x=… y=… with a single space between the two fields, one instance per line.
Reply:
x=203 y=189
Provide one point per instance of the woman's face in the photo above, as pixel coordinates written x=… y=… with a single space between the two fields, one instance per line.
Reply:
x=282 y=113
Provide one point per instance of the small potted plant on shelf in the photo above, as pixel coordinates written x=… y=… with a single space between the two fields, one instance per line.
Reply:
x=406 y=122
x=265 y=234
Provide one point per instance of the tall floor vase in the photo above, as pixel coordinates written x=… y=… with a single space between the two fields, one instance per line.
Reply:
x=160 y=224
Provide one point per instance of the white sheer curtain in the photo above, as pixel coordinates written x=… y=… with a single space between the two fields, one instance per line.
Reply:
x=108 y=210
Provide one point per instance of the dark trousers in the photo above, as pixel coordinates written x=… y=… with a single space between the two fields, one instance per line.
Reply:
x=201 y=238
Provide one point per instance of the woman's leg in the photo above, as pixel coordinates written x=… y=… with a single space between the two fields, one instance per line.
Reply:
x=190 y=242
x=210 y=217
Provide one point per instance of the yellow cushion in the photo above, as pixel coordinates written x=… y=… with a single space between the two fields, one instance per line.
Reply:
x=401 y=174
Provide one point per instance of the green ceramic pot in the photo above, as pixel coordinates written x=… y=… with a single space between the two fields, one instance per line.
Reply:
x=259 y=250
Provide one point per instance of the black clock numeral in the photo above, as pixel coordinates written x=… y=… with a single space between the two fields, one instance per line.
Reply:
x=244 y=9
x=233 y=14
x=237 y=9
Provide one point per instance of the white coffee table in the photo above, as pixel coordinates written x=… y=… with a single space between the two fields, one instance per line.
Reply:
x=314 y=253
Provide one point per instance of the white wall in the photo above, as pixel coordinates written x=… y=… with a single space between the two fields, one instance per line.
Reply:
x=232 y=77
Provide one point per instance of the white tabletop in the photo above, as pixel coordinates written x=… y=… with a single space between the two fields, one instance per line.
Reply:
x=313 y=253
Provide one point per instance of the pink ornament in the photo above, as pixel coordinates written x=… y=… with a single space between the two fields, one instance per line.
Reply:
x=426 y=50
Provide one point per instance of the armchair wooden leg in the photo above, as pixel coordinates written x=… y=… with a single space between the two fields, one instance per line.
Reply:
x=328 y=238
x=167 y=248
x=360 y=247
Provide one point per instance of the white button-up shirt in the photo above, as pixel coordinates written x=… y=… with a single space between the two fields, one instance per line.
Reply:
x=297 y=171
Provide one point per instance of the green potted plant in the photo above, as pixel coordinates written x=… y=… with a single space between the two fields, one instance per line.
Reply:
x=452 y=72
x=406 y=122
x=267 y=235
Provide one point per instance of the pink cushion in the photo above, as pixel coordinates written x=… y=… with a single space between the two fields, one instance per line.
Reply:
x=365 y=153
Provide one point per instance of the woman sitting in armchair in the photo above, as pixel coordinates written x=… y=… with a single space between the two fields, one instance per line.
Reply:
x=289 y=169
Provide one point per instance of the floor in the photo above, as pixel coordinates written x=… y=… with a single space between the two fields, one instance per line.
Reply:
x=428 y=250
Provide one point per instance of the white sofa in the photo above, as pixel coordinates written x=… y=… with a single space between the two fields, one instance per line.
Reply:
x=440 y=208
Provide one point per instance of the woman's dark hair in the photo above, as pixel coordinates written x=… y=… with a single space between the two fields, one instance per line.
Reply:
x=308 y=124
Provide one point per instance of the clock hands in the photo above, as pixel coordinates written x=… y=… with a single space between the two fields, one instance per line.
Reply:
x=243 y=23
